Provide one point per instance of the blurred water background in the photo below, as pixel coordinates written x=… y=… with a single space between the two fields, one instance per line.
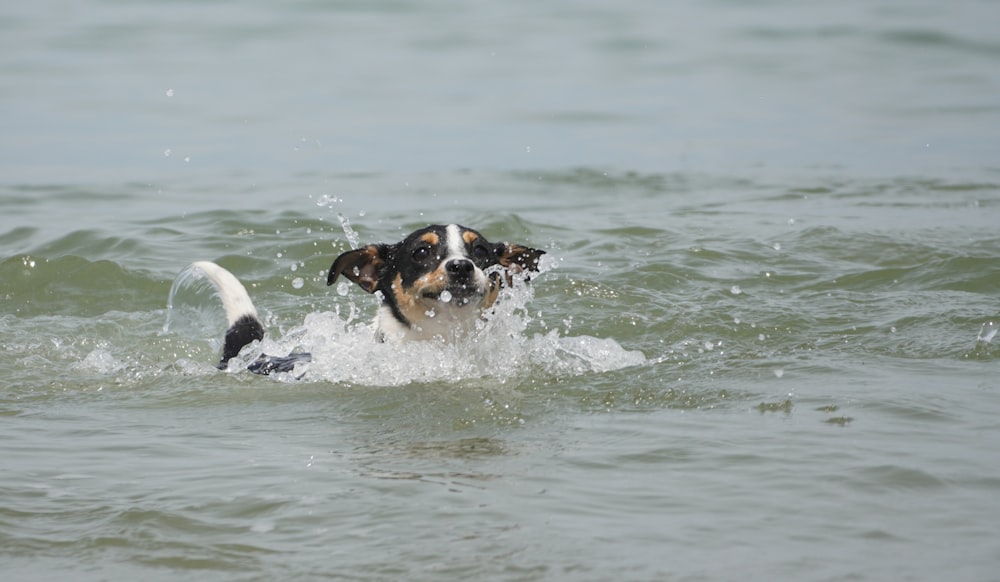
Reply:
x=764 y=348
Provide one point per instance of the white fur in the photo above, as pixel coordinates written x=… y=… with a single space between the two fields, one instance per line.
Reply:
x=234 y=296
x=456 y=246
x=456 y=250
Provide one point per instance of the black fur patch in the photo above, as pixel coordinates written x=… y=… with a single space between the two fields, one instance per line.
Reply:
x=246 y=329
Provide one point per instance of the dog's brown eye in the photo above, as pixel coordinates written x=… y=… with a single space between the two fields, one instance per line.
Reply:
x=421 y=253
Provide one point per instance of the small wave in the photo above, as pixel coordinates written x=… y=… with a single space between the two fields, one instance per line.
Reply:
x=39 y=285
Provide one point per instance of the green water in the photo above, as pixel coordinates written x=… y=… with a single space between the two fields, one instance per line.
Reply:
x=810 y=397
x=763 y=347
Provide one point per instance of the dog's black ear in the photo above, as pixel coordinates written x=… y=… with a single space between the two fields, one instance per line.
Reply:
x=518 y=257
x=361 y=266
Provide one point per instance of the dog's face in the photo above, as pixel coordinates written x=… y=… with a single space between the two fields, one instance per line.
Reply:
x=436 y=277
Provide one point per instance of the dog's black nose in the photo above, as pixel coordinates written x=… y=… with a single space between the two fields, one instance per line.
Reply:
x=459 y=267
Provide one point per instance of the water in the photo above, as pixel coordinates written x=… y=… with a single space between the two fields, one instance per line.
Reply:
x=765 y=345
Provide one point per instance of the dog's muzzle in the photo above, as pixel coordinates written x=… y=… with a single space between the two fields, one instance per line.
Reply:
x=462 y=285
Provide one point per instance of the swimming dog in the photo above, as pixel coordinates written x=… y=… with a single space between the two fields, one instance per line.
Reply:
x=435 y=283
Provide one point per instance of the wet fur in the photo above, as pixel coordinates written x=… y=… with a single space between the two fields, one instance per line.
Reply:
x=413 y=275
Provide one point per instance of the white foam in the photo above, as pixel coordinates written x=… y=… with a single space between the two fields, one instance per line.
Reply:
x=102 y=361
x=346 y=349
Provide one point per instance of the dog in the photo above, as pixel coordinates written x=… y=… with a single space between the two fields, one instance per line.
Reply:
x=435 y=283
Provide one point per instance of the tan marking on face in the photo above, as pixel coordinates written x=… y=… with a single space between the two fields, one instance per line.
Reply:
x=433 y=282
x=431 y=238
x=469 y=237
x=406 y=300
x=417 y=309
x=411 y=301
x=403 y=299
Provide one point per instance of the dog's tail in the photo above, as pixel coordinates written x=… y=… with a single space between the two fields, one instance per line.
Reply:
x=241 y=315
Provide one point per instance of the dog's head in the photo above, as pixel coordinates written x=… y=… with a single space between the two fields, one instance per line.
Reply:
x=442 y=272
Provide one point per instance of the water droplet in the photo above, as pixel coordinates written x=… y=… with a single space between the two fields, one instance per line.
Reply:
x=170 y=92
x=776 y=246
x=342 y=288
x=445 y=296
x=294 y=267
x=779 y=372
x=735 y=290
x=298 y=282
x=167 y=152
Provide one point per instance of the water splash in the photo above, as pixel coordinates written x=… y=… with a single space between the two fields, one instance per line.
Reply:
x=193 y=305
x=349 y=352
x=987 y=332
x=350 y=233
x=346 y=349
x=100 y=360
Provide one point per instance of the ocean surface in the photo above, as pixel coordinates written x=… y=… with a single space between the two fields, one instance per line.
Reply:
x=763 y=347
